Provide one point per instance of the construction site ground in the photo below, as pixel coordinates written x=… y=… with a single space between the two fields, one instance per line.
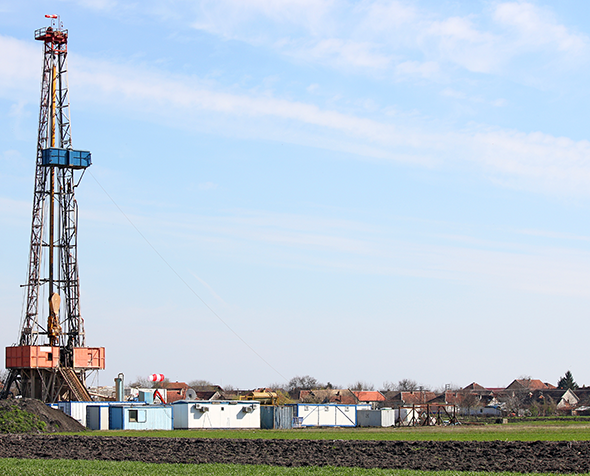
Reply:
x=491 y=456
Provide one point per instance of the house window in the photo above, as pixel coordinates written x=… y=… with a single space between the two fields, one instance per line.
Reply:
x=133 y=416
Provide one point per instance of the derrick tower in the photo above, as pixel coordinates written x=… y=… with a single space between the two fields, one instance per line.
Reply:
x=51 y=360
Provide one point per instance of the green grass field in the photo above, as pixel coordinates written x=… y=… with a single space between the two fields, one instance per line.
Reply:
x=550 y=431
x=115 y=468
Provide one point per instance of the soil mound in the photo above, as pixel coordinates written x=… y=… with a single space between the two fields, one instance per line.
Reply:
x=26 y=415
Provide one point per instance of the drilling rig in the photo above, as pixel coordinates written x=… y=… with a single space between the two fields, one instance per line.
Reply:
x=51 y=360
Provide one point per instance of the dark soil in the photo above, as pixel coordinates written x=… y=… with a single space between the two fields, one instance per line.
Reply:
x=55 y=420
x=560 y=457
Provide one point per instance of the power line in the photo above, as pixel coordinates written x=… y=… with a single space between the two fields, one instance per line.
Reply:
x=183 y=280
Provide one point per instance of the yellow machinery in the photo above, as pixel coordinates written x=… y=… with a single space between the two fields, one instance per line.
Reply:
x=264 y=397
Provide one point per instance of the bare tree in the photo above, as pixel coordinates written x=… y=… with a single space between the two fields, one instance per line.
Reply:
x=407 y=385
x=306 y=382
x=201 y=384
x=388 y=386
x=515 y=403
x=142 y=382
x=360 y=385
x=468 y=400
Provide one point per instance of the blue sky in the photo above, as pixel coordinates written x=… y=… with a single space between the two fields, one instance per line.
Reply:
x=370 y=190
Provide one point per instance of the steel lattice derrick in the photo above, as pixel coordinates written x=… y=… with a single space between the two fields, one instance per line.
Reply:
x=51 y=360
x=67 y=244
x=54 y=131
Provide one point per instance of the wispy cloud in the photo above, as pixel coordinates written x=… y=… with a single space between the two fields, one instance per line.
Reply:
x=534 y=161
x=207 y=186
x=536 y=27
x=379 y=34
x=319 y=243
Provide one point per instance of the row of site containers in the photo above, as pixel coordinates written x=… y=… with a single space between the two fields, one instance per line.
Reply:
x=227 y=414
x=180 y=415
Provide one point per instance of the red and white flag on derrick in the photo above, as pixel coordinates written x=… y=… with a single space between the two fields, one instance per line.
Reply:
x=50 y=16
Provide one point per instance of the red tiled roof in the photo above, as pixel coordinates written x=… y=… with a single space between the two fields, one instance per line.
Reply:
x=475 y=386
x=174 y=385
x=527 y=384
x=369 y=396
x=411 y=397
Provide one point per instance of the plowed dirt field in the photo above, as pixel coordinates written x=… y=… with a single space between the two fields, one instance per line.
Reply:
x=562 y=457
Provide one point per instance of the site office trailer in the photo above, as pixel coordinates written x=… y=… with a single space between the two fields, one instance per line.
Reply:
x=325 y=414
x=190 y=414
x=141 y=417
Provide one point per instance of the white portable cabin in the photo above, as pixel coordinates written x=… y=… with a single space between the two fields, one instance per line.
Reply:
x=378 y=418
x=190 y=414
x=325 y=414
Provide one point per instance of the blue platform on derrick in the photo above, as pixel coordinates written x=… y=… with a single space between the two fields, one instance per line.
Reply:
x=76 y=159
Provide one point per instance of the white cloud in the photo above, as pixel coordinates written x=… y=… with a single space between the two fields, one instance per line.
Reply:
x=385 y=15
x=341 y=53
x=308 y=242
x=20 y=70
x=207 y=186
x=231 y=18
x=378 y=34
x=537 y=27
x=458 y=41
x=427 y=69
x=453 y=93
x=534 y=161
x=99 y=5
